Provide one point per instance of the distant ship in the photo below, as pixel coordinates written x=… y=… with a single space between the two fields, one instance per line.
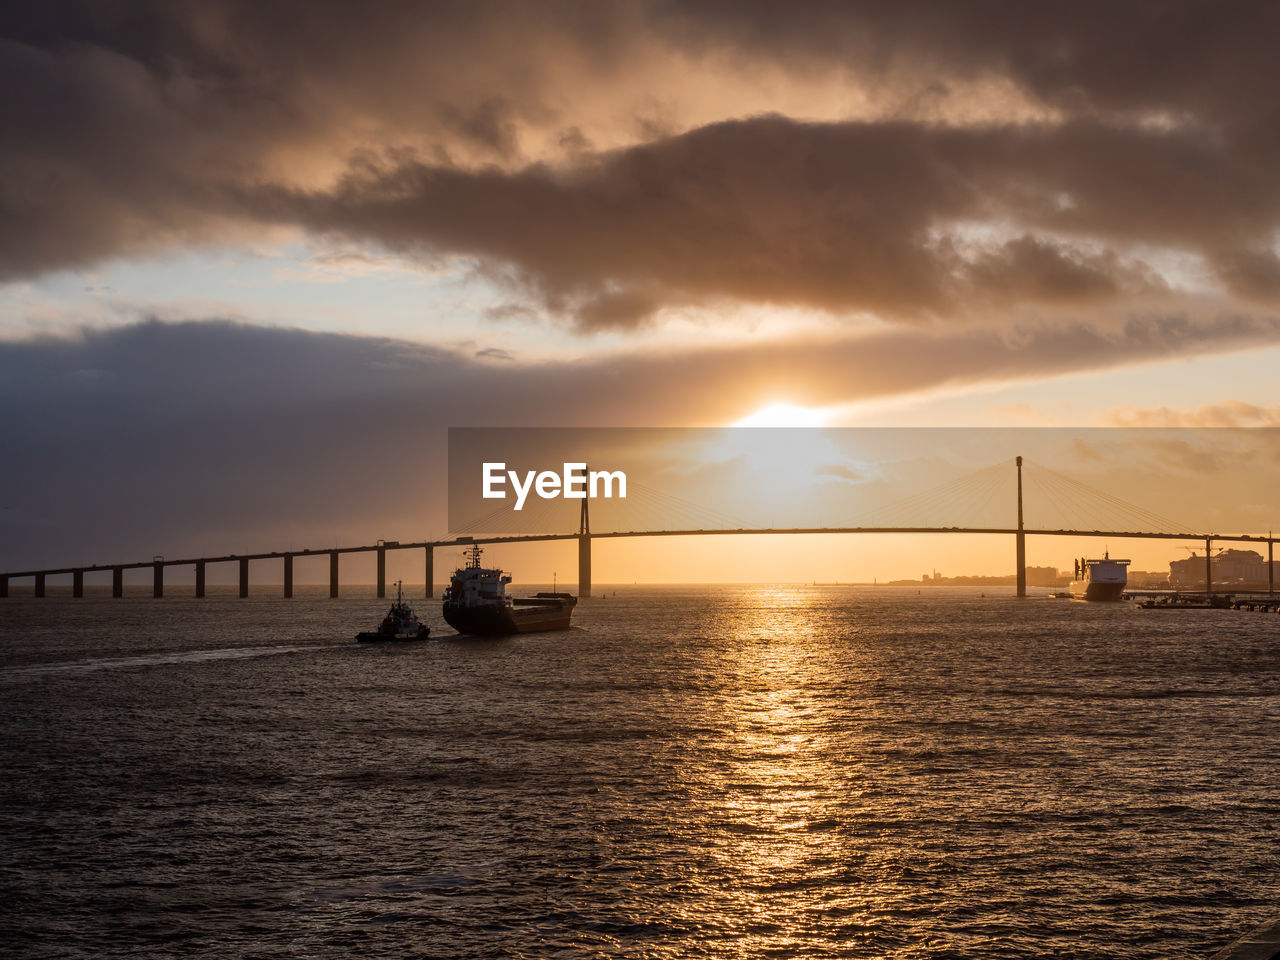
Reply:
x=477 y=603
x=1103 y=579
x=398 y=625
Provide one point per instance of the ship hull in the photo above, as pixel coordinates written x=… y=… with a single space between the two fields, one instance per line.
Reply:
x=1093 y=590
x=524 y=616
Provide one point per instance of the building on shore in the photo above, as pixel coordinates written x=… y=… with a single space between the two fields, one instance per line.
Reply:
x=1036 y=577
x=1242 y=569
x=1148 y=580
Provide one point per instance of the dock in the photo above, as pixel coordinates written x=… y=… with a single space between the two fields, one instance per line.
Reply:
x=1258 y=601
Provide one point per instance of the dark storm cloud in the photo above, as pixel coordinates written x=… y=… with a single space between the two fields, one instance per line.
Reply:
x=842 y=217
x=142 y=127
x=245 y=438
x=124 y=123
x=1211 y=61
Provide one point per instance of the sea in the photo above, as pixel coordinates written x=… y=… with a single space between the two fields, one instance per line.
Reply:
x=771 y=771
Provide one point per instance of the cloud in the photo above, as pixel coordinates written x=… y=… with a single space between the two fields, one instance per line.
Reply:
x=848 y=218
x=620 y=160
x=842 y=472
x=236 y=436
x=1160 y=63
x=1228 y=413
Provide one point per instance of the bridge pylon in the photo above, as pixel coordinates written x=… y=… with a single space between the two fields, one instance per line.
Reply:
x=1021 y=536
x=584 y=552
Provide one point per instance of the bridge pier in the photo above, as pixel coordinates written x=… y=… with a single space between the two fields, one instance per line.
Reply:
x=157 y=579
x=584 y=566
x=1021 y=561
x=117 y=582
x=77 y=583
x=4 y=585
x=288 y=575
x=333 y=573
x=199 y=579
x=244 y=577
x=39 y=585
x=382 y=572
x=1271 y=567
x=431 y=575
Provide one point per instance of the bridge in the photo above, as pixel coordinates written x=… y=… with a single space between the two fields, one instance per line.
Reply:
x=584 y=537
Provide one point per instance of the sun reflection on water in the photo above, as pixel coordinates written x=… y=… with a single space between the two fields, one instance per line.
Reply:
x=775 y=801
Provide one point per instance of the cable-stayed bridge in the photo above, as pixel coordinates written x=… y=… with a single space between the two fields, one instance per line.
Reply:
x=970 y=504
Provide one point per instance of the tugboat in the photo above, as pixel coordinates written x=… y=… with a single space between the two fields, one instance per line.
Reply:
x=477 y=603
x=398 y=625
x=1103 y=579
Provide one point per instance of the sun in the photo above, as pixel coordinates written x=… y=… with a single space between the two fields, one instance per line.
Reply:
x=782 y=415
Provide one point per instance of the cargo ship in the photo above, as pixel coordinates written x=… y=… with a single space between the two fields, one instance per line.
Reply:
x=477 y=603
x=1103 y=579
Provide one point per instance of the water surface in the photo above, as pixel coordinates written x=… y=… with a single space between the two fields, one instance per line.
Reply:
x=712 y=771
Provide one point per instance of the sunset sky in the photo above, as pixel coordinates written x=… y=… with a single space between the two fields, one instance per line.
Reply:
x=257 y=258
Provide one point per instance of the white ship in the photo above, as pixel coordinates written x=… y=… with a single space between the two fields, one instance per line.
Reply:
x=1103 y=579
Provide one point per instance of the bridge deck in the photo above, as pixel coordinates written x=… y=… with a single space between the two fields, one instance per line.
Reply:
x=618 y=534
